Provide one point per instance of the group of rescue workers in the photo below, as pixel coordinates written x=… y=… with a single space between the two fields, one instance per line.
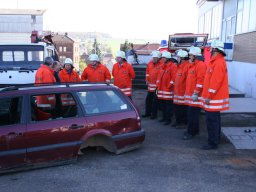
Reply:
x=179 y=86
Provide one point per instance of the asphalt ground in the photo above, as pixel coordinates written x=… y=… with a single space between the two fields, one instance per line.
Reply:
x=164 y=163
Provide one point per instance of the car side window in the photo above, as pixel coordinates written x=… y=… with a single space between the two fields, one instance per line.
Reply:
x=104 y=101
x=53 y=106
x=10 y=112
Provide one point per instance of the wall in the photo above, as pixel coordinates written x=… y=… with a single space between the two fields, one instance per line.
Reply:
x=230 y=7
x=206 y=6
x=18 y=28
x=244 y=47
x=242 y=76
x=15 y=37
x=20 y=23
x=76 y=55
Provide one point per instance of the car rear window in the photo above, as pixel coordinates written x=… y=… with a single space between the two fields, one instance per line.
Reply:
x=104 y=101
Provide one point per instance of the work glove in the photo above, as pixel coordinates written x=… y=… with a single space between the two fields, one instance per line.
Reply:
x=195 y=97
x=107 y=82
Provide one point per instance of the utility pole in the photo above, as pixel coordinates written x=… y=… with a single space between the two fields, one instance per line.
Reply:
x=95 y=46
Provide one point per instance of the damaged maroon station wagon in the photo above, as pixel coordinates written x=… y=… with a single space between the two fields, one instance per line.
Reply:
x=51 y=124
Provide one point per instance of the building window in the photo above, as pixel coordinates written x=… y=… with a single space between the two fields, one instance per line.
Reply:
x=246 y=16
x=252 y=19
x=210 y=22
x=33 y=19
x=216 y=21
x=65 y=49
x=201 y=24
x=207 y=23
x=60 y=49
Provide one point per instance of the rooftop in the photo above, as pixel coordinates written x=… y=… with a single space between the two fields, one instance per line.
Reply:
x=62 y=37
x=22 y=11
x=145 y=49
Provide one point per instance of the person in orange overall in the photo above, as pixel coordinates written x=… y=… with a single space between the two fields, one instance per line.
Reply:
x=152 y=71
x=68 y=74
x=44 y=75
x=215 y=96
x=180 y=109
x=95 y=71
x=123 y=74
x=194 y=87
x=165 y=87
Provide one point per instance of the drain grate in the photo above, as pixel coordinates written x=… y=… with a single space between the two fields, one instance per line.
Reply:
x=240 y=137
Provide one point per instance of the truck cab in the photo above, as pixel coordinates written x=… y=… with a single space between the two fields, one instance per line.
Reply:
x=19 y=62
x=185 y=40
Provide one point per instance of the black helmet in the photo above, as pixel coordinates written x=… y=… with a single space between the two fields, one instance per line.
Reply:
x=48 y=61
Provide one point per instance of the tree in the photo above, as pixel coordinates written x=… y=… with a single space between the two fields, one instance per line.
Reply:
x=96 y=48
x=126 y=46
x=82 y=65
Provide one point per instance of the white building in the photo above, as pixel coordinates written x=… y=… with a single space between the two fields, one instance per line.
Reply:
x=233 y=21
x=16 y=25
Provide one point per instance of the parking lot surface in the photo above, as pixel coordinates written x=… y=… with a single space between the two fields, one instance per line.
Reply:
x=164 y=163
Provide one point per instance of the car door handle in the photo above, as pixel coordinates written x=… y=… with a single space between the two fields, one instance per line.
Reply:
x=75 y=126
x=13 y=134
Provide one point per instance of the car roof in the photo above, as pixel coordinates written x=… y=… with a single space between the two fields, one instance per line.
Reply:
x=56 y=87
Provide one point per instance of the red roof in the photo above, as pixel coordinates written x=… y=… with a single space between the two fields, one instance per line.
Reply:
x=145 y=49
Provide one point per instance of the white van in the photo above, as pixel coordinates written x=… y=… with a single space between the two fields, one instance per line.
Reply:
x=19 y=62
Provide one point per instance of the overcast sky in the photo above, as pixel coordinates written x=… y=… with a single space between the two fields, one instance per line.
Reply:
x=141 y=19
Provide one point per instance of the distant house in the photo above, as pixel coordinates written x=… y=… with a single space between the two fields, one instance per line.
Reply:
x=143 y=52
x=108 y=60
x=16 y=25
x=67 y=48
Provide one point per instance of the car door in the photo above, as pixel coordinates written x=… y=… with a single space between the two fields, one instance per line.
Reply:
x=55 y=129
x=12 y=130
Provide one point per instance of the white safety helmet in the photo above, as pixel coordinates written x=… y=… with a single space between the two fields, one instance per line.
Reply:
x=195 y=51
x=120 y=54
x=218 y=45
x=182 y=53
x=156 y=54
x=166 y=54
x=68 y=61
x=94 y=57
